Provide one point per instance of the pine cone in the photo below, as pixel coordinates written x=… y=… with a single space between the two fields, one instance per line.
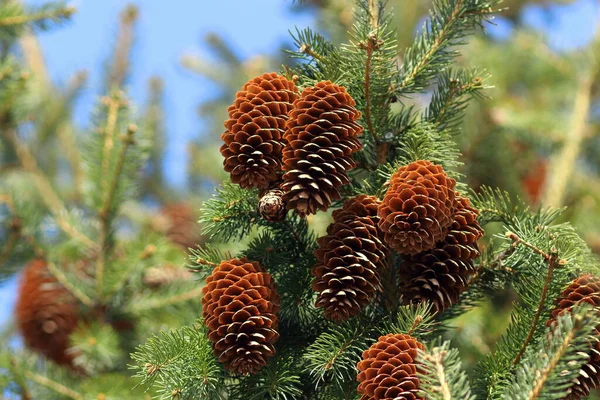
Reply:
x=46 y=313
x=440 y=275
x=254 y=136
x=348 y=260
x=584 y=289
x=388 y=370
x=418 y=208
x=180 y=225
x=271 y=206
x=239 y=308
x=321 y=136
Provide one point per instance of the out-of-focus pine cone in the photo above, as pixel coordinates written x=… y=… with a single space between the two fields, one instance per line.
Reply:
x=321 y=137
x=46 y=313
x=418 y=208
x=165 y=275
x=349 y=259
x=388 y=370
x=240 y=308
x=254 y=136
x=271 y=206
x=179 y=222
x=440 y=275
x=584 y=289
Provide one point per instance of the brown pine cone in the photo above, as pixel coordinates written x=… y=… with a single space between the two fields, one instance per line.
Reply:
x=271 y=206
x=389 y=368
x=321 y=137
x=348 y=259
x=440 y=275
x=254 y=136
x=239 y=308
x=46 y=313
x=179 y=222
x=418 y=208
x=584 y=289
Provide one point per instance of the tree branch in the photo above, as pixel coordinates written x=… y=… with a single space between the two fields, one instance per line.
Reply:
x=564 y=162
x=57 y=387
x=47 y=192
x=552 y=260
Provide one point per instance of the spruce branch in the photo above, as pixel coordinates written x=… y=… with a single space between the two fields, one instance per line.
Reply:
x=105 y=212
x=54 y=385
x=120 y=64
x=158 y=302
x=370 y=46
x=548 y=371
x=70 y=285
x=333 y=356
x=47 y=192
x=564 y=161
x=14 y=15
x=441 y=376
x=552 y=262
x=455 y=87
x=434 y=49
x=181 y=362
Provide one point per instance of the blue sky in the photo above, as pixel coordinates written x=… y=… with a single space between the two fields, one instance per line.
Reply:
x=168 y=30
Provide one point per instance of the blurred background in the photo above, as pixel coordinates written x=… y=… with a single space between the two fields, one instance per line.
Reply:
x=536 y=136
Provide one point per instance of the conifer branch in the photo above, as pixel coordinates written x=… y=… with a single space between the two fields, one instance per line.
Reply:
x=139 y=306
x=564 y=161
x=307 y=49
x=47 y=192
x=125 y=38
x=70 y=286
x=23 y=19
x=552 y=260
x=54 y=385
x=105 y=214
x=441 y=376
x=436 y=360
x=370 y=46
x=449 y=23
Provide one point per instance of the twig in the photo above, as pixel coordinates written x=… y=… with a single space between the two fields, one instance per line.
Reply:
x=306 y=49
x=552 y=260
x=74 y=290
x=516 y=239
x=565 y=160
x=104 y=213
x=374 y=14
x=48 y=194
x=370 y=46
x=57 y=387
x=437 y=43
x=136 y=307
x=122 y=50
x=543 y=374
x=24 y=19
x=456 y=90
x=415 y=324
x=202 y=261
x=437 y=359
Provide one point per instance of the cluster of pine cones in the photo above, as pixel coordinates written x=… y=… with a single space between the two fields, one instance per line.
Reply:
x=297 y=150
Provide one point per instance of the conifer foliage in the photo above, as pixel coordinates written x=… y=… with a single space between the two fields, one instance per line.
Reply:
x=364 y=308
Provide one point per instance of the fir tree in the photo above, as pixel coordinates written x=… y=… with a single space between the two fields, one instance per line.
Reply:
x=100 y=271
x=355 y=131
